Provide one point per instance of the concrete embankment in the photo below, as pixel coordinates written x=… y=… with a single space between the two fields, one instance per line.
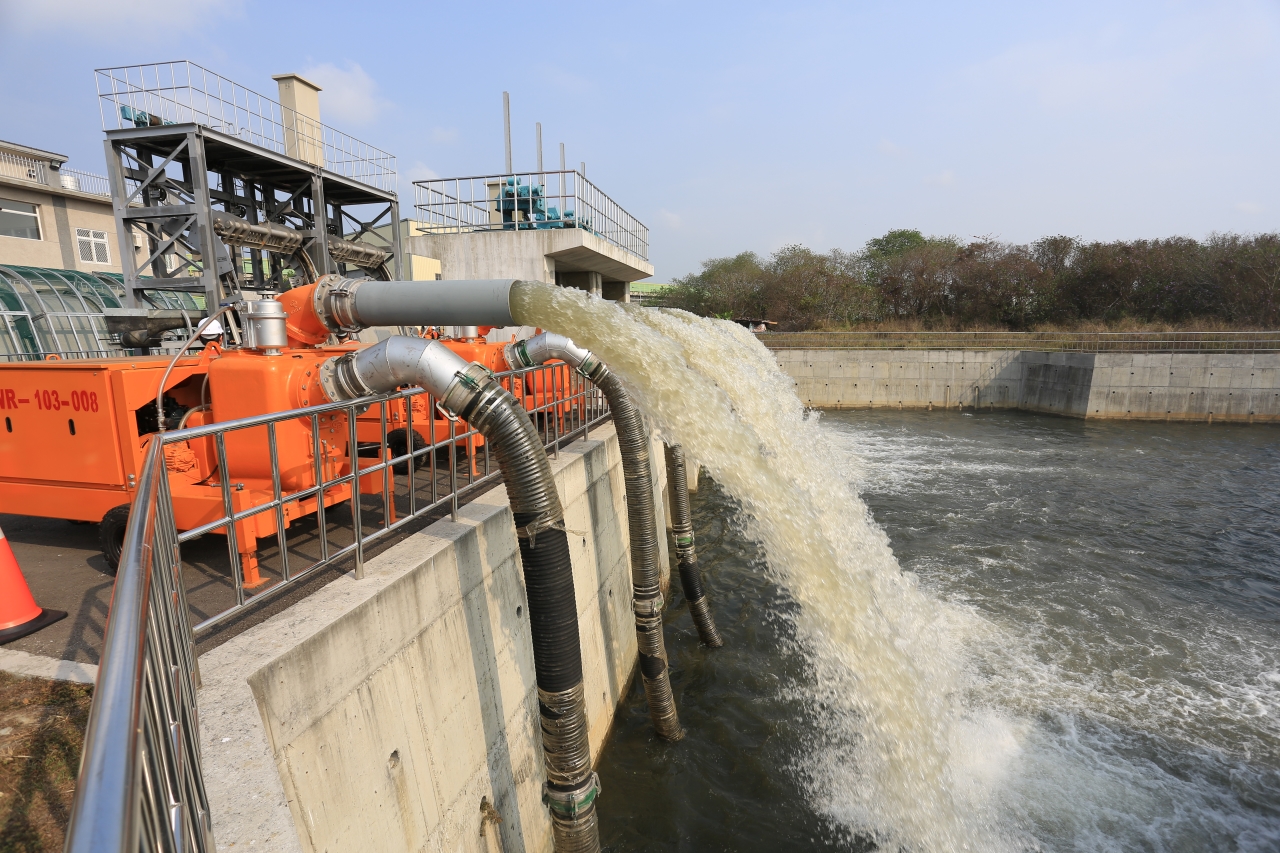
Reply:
x=1243 y=388
x=380 y=714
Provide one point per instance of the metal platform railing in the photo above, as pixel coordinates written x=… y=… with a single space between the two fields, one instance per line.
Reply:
x=1089 y=342
x=22 y=168
x=182 y=92
x=140 y=785
x=85 y=182
x=529 y=201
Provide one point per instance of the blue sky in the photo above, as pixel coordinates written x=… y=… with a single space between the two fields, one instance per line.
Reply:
x=733 y=126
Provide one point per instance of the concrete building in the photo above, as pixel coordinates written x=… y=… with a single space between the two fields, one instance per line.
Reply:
x=53 y=216
x=555 y=227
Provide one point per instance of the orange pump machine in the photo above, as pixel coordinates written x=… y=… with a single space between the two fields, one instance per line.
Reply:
x=74 y=432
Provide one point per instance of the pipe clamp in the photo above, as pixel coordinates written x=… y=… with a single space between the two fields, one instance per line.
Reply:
x=572 y=803
x=648 y=608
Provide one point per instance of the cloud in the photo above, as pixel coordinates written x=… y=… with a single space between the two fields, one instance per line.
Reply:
x=93 y=17
x=1250 y=207
x=420 y=171
x=444 y=135
x=672 y=220
x=1115 y=68
x=887 y=147
x=945 y=178
x=349 y=94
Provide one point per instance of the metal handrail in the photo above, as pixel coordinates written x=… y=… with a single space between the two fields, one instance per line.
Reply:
x=86 y=182
x=526 y=201
x=565 y=414
x=1086 y=342
x=140 y=785
x=180 y=92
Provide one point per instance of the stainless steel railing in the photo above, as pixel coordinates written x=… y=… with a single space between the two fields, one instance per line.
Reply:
x=446 y=469
x=140 y=785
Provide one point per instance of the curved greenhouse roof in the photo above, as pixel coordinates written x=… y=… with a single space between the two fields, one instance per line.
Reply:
x=48 y=311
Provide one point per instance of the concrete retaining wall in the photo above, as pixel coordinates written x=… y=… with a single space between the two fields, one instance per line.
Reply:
x=1161 y=386
x=377 y=714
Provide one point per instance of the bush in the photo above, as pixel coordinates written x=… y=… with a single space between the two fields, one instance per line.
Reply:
x=906 y=279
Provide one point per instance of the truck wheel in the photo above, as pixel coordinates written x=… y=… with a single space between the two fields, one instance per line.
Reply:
x=111 y=535
x=398 y=445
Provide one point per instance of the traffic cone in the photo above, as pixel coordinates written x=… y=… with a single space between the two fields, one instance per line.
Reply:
x=19 y=613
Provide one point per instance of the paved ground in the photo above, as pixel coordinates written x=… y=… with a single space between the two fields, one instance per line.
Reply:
x=66 y=571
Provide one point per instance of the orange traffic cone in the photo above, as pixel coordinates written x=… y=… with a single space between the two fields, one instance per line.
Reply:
x=19 y=613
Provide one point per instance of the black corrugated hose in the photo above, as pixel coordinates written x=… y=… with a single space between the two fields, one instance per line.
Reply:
x=572 y=787
x=686 y=552
x=642 y=522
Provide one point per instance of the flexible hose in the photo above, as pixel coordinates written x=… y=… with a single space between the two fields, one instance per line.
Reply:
x=470 y=391
x=642 y=522
x=686 y=551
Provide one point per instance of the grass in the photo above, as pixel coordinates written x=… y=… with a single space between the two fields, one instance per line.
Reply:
x=42 y=727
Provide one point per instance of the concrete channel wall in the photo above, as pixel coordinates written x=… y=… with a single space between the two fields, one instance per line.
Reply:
x=379 y=714
x=1209 y=387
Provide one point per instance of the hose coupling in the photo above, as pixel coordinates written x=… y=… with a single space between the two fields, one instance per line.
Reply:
x=334 y=300
x=648 y=608
x=575 y=802
x=340 y=380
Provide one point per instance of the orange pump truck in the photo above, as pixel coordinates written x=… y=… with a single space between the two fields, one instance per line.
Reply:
x=75 y=431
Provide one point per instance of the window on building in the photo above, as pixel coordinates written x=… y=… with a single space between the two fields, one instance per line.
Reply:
x=18 y=219
x=93 y=246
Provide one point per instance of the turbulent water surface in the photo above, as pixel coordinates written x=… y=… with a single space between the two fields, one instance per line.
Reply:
x=947 y=632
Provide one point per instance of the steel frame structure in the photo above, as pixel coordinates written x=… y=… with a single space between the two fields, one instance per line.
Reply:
x=168 y=181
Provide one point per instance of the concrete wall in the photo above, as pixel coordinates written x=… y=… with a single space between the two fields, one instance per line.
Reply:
x=530 y=255
x=376 y=714
x=61 y=212
x=1160 y=386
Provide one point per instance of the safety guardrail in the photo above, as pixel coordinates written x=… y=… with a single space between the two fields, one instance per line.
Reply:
x=1089 y=342
x=182 y=92
x=22 y=168
x=447 y=467
x=140 y=785
x=85 y=182
x=527 y=201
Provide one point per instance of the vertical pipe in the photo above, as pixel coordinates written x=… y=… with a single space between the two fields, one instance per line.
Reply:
x=539 y=147
x=686 y=552
x=506 y=127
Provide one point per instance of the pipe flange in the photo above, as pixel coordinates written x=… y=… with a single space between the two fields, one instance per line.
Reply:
x=335 y=303
x=340 y=381
x=648 y=608
x=572 y=803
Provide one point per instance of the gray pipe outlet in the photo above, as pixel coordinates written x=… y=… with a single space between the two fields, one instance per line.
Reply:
x=348 y=305
x=473 y=394
x=642 y=521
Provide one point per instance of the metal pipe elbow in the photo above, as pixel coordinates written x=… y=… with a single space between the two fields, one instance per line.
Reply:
x=390 y=364
x=543 y=347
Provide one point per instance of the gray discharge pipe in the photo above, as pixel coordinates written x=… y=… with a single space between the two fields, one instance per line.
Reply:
x=471 y=392
x=348 y=305
x=633 y=443
x=686 y=553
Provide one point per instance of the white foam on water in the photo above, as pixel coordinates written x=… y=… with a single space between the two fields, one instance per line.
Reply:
x=901 y=756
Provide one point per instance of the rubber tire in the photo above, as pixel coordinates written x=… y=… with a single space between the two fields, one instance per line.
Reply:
x=111 y=535
x=398 y=445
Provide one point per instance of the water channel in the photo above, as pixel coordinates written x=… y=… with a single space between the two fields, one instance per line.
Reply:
x=949 y=631
x=1119 y=592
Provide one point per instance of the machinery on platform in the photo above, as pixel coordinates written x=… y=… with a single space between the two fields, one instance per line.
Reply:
x=75 y=433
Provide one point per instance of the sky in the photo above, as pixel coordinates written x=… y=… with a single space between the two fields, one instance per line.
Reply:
x=727 y=127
